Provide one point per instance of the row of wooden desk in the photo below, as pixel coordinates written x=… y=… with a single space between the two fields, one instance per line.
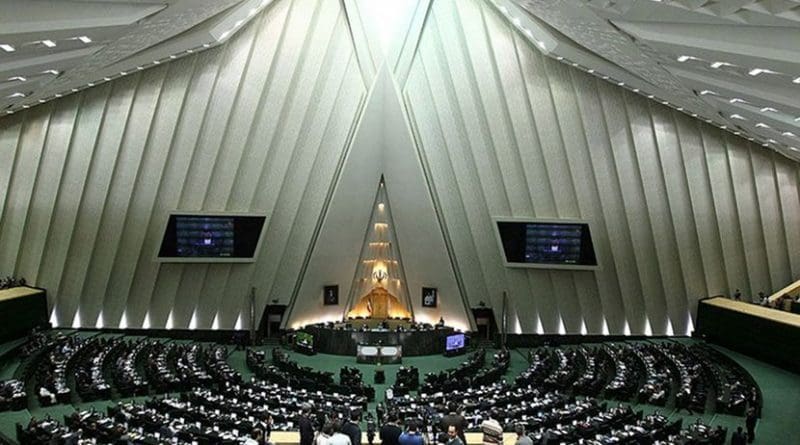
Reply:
x=767 y=334
x=21 y=309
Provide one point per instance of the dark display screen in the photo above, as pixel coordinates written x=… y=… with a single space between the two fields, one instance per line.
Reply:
x=547 y=243
x=202 y=236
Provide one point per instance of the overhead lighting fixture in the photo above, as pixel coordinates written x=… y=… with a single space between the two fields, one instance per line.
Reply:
x=542 y=46
x=705 y=92
x=737 y=100
x=224 y=35
x=717 y=65
x=757 y=71
x=770 y=109
x=788 y=134
x=686 y=58
x=206 y=45
x=794 y=148
x=796 y=80
x=53 y=72
x=48 y=43
x=19 y=78
x=738 y=116
x=17 y=94
x=7 y=48
x=85 y=39
x=762 y=125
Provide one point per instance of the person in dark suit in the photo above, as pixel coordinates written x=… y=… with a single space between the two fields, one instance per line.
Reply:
x=453 y=418
x=750 y=423
x=352 y=429
x=305 y=427
x=391 y=431
x=738 y=437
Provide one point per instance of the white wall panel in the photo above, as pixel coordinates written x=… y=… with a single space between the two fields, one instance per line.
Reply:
x=255 y=125
x=678 y=209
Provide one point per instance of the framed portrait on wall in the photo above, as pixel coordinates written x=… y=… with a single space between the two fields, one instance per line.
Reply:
x=430 y=297
x=330 y=295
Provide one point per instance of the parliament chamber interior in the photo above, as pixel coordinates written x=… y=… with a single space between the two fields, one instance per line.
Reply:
x=405 y=222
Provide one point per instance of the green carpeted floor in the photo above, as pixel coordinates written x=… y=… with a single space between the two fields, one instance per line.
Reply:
x=781 y=390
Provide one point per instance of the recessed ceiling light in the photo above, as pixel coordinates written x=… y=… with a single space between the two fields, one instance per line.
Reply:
x=736 y=99
x=516 y=21
x=796 y=80
x=591 y=71
x=17 y=94
x=704 y=92
x=106 y=78
x=90 y=84
x=173 y=56
x=770 y=109
x=59 y=94
x=738 y=116
x=542 y=45
x=635 y=90
x=19 y=78
x=224 y=35
x=26 y=106
x=757 y=71
x=206 y=45
x=622 y=84
x=717 y=65
x=48 y=43
x=559 y=58
x=737 y=133
x=605 y=77
x=85 y=39
x=694 y=114
x=53 y=72
x=762 y=125
x=788 y=134
x=139 y=67
x=679 y=108
x=772 y=141
x=156 y=62
x=41 y=101
x=7 y=48
x=685 y=58
x=794 y=148
x=74 y=90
